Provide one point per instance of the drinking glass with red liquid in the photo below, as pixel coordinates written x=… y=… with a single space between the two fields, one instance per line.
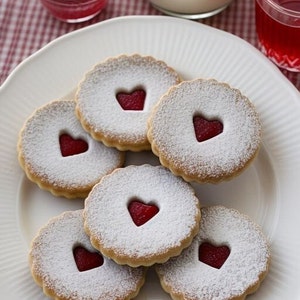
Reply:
x=74 y=11
x=278 y=31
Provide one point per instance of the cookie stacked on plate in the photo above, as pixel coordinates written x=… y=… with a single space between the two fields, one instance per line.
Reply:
x=136 y=217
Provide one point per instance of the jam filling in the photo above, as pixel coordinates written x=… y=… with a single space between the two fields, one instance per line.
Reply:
x=141 y=212
x=206 y=129
x=132 y=101
x=70 y=146
x=86 y=260
x=214 y=256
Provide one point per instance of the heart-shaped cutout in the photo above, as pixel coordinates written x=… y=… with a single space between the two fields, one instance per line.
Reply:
x=132 y=101
x=86 y=260
x=206 y=129
x=214 y=256
x=141 y=212
x=70 y=146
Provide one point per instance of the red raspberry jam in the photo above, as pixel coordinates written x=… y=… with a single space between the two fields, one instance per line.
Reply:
x=205 y=129
x=86 y=260
x=141 y=212
x=214 y=256
x=70 y=146
x=132 y=101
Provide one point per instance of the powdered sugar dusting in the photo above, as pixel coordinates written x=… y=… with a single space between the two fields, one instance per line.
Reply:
x=172 y=132
x=52 y=260
x=108 y=219
x=39 y=147
x=96 y=96
x=247 y=262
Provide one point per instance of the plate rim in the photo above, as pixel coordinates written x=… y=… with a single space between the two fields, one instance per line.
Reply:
x=126 y=18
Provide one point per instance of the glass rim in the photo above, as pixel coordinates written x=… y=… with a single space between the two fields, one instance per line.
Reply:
x=281 y=9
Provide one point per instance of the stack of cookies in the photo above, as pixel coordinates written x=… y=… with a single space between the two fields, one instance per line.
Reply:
x=140 y=217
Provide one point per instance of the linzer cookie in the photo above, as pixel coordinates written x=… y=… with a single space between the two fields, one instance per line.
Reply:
x=141 y=215
x=58 y=155
x=66 y=266
x=228 y=259
x=115 y=98
x=204 y=131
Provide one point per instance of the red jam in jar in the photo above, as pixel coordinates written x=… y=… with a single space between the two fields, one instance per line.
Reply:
x=74 y=11
x=278 y=30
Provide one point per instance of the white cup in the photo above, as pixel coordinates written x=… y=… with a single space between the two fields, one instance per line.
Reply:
x=191 y=9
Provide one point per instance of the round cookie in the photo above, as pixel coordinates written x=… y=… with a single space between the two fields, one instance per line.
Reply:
x=115 y=98
x=66 y=266
x=141 y=215
x=58 y=155
x=211 y=136
x=228 y=259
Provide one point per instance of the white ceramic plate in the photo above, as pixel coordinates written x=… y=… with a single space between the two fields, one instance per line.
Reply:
x=267 y=191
